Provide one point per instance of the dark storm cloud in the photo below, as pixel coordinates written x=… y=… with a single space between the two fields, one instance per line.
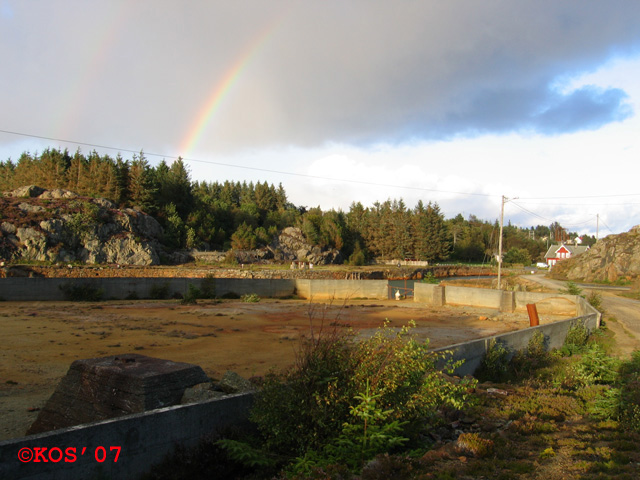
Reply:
x=539 y=111
x=586 y=108
x=138 y=74
x=427 y=70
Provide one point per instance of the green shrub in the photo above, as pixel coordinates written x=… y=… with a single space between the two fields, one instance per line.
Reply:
x=517 y=256
x=429 y=277
x=473 y=443
x=159 y=291
x=572 y=289
x=370 y=432
x=535 y=357
x=607 y=404
x=82 y=222
x=81 y=292
x=536 y=347
x=367 y=434
x=627 y=399
x=576 y=339
x=357 y=258
x=495 y=362
x=208 y=287
x=595 y=366
x=192 y=295
x=250 y=298
x=244 y=454
x=132 y=296
x=405 y=375
x=346 y=401
x=595 y=300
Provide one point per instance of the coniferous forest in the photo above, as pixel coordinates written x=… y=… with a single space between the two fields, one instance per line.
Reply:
x=244 y=216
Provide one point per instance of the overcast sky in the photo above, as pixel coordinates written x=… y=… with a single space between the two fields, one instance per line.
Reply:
x=455 y=102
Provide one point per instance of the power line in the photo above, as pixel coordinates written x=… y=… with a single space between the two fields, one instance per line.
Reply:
x=245 y=167
x=548 y=219
x=608 y=228
x=581 y=204
x=352 y=181
x=584 y=196
x=531 y=213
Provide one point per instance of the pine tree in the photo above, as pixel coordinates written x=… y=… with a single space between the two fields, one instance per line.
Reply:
x=76 y=172
x=7 y=173
x=243 y=238
x=122 y=180
x=140 y=186
x=50 y=169
x=24 y=170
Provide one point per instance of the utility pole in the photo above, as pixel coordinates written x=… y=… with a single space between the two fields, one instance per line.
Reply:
x=504 y=200
x=597 y=225
x=500 y=242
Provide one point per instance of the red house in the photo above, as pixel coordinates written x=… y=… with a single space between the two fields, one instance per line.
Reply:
x=562 y=251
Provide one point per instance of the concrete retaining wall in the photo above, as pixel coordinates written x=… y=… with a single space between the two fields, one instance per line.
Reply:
x=429 y=294
x=554 y=333
x=504 y=301
x=144 y=439
x=47 y=289
x=473 y=296
x=330 y=289
x=437 y=295
x=548 y=303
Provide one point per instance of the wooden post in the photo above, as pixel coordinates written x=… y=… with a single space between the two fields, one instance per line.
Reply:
x=534 y=320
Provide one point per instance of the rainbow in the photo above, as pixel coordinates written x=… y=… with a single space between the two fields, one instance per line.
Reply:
x=222 y=89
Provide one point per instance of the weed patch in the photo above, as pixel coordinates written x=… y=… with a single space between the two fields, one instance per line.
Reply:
x=78 y=292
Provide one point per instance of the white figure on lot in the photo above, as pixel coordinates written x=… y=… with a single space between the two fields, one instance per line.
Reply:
x=397 y=294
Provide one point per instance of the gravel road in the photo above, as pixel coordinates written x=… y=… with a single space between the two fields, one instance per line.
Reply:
x=621 y=314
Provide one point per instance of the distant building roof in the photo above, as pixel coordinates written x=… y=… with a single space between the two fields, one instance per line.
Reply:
x=571 y=249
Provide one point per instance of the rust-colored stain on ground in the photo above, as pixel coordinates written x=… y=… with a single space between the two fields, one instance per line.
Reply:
x=42 y=339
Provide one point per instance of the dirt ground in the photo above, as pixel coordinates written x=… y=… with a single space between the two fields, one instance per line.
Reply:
x=41 y=339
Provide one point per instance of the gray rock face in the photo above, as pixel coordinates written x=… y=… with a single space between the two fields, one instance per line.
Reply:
x=81 y=229
x=613 y=257
x=291 y=245
x=108 y=387
x=7 y=228
x=57 y=193
x=123 y=250
x=28 y=208
x=26 y=192
x=200 y=393
x=233 y=383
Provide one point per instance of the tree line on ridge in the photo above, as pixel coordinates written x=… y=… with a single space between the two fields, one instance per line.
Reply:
x=244 y=216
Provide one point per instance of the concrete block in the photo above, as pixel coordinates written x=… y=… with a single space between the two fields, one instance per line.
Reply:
x=429 y=294
x=107 y=387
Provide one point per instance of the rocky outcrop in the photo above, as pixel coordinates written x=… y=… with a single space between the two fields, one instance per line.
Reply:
x=30 y=191
x=59 y=226
x=612 y=258
x=291 y=245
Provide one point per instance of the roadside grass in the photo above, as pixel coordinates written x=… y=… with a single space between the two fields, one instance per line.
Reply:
x=633 y=294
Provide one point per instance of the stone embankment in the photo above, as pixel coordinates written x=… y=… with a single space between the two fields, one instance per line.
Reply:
x=248 y=271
